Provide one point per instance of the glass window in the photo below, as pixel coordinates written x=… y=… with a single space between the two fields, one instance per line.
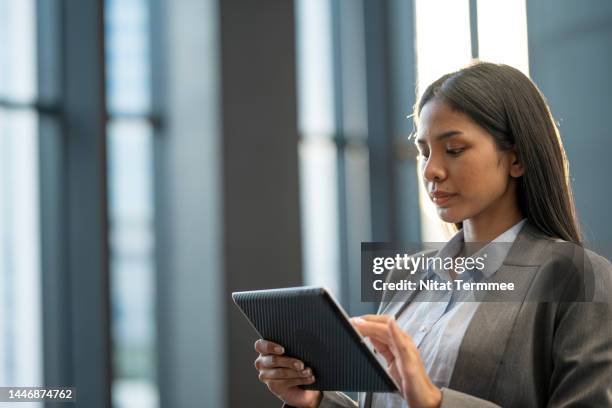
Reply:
x=317 y=149
x=20 y=276
x=502 y=33
x=130 y=186
x=18 y=50
x=315 y=68
x=319 y=197
x=127 y=57
x=443 y=45
x=20 y=291
x=132 y=283
x=442 y=38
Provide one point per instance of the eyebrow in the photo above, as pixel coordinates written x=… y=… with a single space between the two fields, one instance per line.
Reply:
x=442 y=136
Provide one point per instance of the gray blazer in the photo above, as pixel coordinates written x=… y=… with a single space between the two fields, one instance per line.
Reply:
x=531 y=353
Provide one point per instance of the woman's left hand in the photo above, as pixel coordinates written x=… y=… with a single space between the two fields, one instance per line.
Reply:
x=404 y=362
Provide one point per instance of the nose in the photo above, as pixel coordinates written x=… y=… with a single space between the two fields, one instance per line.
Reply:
x=434 y=170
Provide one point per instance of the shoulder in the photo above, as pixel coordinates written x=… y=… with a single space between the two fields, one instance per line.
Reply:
x=579 y=273
x=599 y=269
x=559 y=270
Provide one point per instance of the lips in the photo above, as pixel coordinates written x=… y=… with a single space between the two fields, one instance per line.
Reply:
x=441 y=198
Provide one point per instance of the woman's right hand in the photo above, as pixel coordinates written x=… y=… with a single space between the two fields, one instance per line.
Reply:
x=283 y=375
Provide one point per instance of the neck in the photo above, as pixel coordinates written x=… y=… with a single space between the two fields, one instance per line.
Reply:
x=487 y=226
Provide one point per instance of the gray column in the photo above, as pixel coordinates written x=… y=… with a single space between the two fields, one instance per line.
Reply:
x=85 y=132
x=391 y=95
x=260 y=172
x=403 y=79
x=73 y=199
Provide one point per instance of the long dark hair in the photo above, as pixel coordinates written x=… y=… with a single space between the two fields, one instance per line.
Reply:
x=513 y=110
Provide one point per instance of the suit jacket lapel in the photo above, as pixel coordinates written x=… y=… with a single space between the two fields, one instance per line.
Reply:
x=484 y=342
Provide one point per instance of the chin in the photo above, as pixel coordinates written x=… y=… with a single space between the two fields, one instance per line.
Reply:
x=448 y=214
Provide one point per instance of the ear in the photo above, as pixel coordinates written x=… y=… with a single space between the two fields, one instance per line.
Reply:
x=516 y=168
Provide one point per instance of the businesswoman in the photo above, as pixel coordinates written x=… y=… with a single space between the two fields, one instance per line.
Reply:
x=494 y=166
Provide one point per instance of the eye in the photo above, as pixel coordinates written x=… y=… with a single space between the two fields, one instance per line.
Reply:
x=455 y=152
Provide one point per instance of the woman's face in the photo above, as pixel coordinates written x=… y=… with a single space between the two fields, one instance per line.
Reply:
x=466 y=176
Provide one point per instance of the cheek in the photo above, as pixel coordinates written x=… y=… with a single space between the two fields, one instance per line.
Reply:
x=479 y=179
x=466 y=176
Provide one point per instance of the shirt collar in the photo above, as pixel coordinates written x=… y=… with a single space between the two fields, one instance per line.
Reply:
x=493 y=253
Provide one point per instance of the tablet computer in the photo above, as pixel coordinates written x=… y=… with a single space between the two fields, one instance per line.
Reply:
x=313 y=327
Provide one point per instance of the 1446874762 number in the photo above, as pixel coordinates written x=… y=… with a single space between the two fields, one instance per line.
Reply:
x=65 y=394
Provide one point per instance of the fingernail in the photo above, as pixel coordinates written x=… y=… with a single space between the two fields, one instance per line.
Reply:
x=306 y=372
x=359 y=320
x=279 y=349
x=312 y=378
x=298 y=365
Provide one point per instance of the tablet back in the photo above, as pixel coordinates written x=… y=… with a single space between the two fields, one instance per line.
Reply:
x=313 y=328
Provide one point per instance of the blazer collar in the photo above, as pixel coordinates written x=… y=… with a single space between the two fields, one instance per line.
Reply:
x=483 y=343
x=527 y=250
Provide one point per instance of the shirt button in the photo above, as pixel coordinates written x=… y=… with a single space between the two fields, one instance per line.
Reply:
x=423 y=328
